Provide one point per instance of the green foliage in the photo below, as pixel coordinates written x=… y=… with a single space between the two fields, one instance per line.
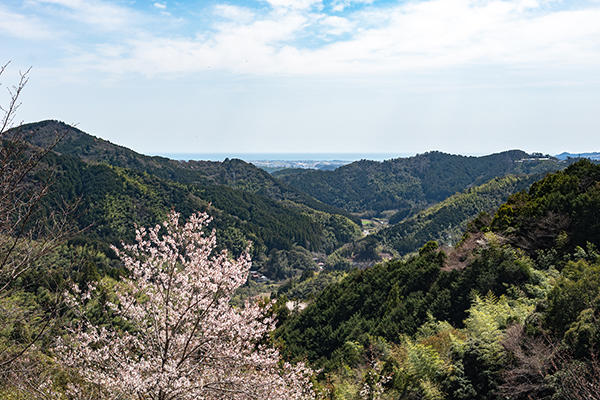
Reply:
x=283 y=264
x=421 y=368
x=447 y=220
x=488 y=319
x=337 y=229
x=396 y=298
x=339 y=260
x=366 y=301
x=117 y=188
x=558 y=211
x=573 y=306
x=308 y=286
x=234 y=173
x=113 y=200
x=494 y=269
x=408 y=184
x=422 y=327
x=554 y=295
x=584 y=333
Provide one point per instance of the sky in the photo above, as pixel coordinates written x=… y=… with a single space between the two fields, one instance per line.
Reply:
x=298 y=76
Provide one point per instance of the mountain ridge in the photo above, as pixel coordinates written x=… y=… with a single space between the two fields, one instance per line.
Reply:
x=234 y=173
x=408 y=185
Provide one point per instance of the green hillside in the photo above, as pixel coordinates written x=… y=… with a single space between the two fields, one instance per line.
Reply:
x=560 y=210
x=446 y=221
x=111 y=200
x=395 y=298
x=443 y=222
x=409 y=184
x=233 y=173
x=502 y=316
x=511 y=312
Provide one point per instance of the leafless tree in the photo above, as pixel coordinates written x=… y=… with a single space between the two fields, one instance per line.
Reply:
x=579 y=380
x=532 y=361
x=539 y=368
x=27 y=232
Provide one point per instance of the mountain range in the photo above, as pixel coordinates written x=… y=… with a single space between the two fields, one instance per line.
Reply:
x=407 y=185
x=430 y=196
x=592 y=156
x=481 y=282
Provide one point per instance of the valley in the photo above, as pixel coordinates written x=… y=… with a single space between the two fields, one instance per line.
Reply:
x=372 y=267
x=299 y=200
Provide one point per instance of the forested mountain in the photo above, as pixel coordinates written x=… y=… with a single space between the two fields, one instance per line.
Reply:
x=112 y=200
x=396 y=298
x=443 y=222
x=446 y=221
x=511 y=313
x=233 y=173
x=409 y=184
x=559 y=212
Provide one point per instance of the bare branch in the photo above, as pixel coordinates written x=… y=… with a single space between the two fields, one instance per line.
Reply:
x=28 y=233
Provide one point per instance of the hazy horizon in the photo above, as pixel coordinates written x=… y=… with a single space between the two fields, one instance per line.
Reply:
x=319 y=156
x=255 y=156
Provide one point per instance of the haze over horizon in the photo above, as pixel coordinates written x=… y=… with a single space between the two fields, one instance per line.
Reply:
x=332 y=156
x=308 y=76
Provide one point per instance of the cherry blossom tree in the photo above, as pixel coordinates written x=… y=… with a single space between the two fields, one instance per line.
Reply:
x=183 y=338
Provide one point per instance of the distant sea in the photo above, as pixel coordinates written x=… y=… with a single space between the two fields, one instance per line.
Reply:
x=284 y=156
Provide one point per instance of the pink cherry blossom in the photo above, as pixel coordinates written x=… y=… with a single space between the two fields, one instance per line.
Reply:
x=187 y=341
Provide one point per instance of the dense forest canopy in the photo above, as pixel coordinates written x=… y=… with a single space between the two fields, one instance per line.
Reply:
x=447 y=220
x=231 y=172
x=511 y=312
x=409 y=184
x=300 y=200
x=117 y=188
x=443 y=222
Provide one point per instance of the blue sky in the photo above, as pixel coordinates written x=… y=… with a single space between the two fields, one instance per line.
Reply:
x=463 y=76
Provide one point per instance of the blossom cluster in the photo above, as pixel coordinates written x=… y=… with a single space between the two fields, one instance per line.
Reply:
x=183 y=338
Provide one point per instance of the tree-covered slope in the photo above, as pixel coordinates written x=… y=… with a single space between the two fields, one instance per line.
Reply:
x=445 y=221
x=409 y=184
x=233 y=173
x=561 y=211
x=518 y=319
x=395 y=298
x=112 y=200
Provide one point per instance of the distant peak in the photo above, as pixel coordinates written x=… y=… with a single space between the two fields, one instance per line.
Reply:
x=49 y=123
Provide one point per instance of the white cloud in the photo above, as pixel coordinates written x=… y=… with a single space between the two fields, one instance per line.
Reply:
x=294 y=4
x=334 y=25
x=101 y=14
x=161 y=6
x=235 y=13
x=297 y=37
x=248 y=46
x=415 y=35
x=341 y=5
x=409 y=73
x=23 y=26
